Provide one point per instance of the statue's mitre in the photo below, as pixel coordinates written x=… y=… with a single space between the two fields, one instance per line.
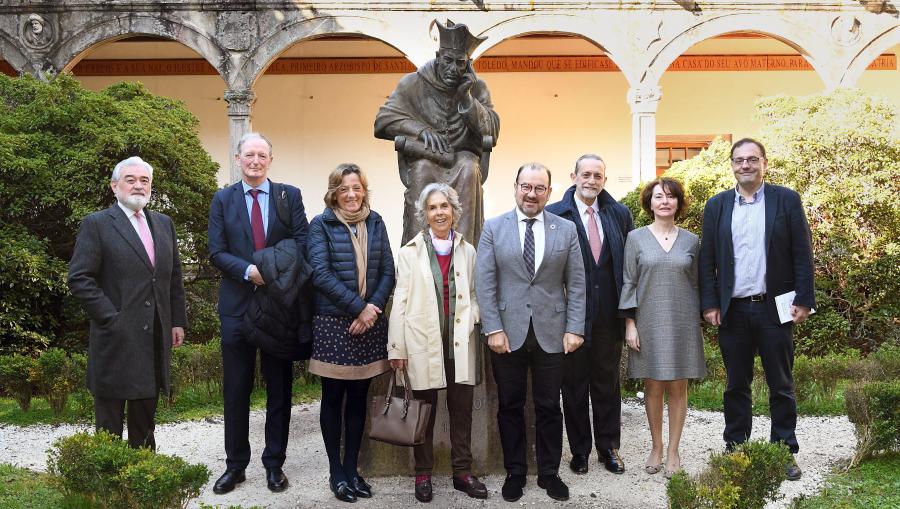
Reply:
x=457 y=37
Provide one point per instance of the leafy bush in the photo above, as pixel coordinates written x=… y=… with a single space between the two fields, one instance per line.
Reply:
x=873 y=403
x=17 y=373
x=57 y=376
x=746 y=478
x=840 y=151
x=104 y=469
x=58 y=145
x=821 y=375
x=196 y=364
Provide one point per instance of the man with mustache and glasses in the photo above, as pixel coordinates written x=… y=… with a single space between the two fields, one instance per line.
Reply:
x=443 y=111
x=126 y=272
x=603 y=225
x=529 y=281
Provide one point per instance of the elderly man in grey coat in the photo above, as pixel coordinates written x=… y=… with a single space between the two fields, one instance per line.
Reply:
x=530 y=284
x=126 y=273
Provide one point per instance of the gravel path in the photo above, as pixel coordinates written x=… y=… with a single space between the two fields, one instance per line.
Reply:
x=823 y=440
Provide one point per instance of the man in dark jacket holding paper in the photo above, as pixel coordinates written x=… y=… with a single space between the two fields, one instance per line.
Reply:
x=756 y=247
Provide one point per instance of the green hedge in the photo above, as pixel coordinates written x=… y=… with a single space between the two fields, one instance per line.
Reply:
x=106 y=471
x=873 y=403
x=746 y=478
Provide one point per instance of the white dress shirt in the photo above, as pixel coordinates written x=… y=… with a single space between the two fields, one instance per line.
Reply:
x=538 y=229
x=584 y=217
x=133 y=220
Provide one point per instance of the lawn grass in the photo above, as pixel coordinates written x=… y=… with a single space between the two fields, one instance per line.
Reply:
x=24 y=489
x=875 y=483
x=193 y=403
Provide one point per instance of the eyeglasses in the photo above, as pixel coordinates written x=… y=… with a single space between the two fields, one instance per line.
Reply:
x=739 y=161
x=538 y=190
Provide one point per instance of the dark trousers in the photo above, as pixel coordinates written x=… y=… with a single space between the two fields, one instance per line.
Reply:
x=511 y=375
x=459 y=406
x=239 y=367
x=594 y=371
x=749 y=329
x=109 y=415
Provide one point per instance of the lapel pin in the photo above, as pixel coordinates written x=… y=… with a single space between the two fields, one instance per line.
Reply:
x=552 y=226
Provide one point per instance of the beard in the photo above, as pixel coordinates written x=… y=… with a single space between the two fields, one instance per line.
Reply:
x=134 y=202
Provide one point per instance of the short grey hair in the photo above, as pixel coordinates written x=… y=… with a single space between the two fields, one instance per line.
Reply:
x=447 y=191
x=131 y=161
x=250 y=137
x=591 y=157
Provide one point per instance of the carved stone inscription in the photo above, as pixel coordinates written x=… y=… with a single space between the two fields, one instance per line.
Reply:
x=236 y=30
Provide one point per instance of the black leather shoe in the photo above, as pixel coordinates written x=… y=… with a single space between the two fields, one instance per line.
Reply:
x=361 y=487
x=228 y=481
x=793 y=471
x=342 y=491
x=556 y=488
x=579 y=464
x=512 y=487
x=471 y=486
x=276 y=479
x=424 y=491
x=611 y=460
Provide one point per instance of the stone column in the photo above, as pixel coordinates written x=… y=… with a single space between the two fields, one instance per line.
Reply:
x=240 y=104
x=643 y=101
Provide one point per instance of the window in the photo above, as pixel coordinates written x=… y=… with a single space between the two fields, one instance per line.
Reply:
x=681 y=147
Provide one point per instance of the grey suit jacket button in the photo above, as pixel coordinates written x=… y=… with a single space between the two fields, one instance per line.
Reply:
x=153 y=280
x=147 y=303
x=146 y=327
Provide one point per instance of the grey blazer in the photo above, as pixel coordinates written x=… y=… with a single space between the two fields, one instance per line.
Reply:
x=110 y=274
x=554 y=301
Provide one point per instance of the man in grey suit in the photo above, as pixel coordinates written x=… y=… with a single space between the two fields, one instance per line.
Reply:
x=531 y=290
x=126 y=273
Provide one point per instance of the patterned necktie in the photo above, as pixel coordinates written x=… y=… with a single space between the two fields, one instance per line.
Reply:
x=146 y=238
x=256 y=222
x=528 y=252
x=594 y=234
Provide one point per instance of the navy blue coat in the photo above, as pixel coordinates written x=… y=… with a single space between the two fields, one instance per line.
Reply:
x=789 y=256
x=231 y=240
x=616 y=221
x=334 y=266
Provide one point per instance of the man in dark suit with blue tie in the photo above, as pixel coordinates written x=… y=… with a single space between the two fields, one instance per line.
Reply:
x=756 y=246
x=243 y=219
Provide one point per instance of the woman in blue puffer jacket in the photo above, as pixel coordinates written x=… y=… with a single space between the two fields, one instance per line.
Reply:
x=353 y=274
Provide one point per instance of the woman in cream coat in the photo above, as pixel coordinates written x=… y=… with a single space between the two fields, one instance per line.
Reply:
x=431 y=332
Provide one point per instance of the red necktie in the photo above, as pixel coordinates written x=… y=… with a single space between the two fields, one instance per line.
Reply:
x=256 y=222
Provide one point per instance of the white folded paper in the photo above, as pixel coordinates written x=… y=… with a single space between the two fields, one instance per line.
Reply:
x=783 y=303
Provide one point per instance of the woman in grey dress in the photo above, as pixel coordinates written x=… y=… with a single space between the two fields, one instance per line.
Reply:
x=660 y=299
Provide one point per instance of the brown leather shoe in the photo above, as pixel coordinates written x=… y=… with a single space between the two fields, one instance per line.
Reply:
x=471 y=486
x=424 y=492
x=612 y=461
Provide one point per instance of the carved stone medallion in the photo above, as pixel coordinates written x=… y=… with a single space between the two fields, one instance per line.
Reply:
x=236 y=29
x=37 y=31
x=845 y=30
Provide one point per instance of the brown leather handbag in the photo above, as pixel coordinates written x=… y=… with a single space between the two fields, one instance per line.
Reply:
x=399 y=421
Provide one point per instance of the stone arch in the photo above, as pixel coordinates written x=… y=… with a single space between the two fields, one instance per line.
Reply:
x=72 y=49
x=305 y=29
x=14 y=56
x=585 y=27
x=872 y=50
x=799 y=37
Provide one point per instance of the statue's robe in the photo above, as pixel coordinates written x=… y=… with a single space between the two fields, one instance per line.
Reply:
x=421 y=101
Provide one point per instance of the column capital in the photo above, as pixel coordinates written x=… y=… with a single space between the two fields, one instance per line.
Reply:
x=644 y=99
x=240 y=102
